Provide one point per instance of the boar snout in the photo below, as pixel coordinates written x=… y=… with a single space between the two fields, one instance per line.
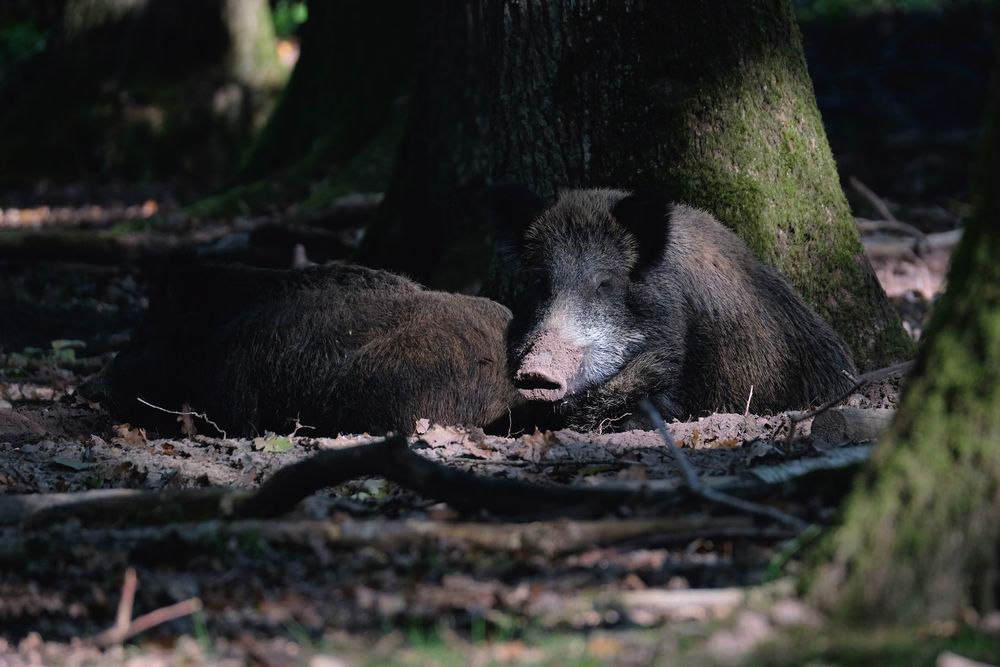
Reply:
x=547 y=368
x=538 y=382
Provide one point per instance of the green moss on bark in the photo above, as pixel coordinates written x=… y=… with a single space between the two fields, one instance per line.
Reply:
x=742 y=138
x=711 y=100
x=921 y=532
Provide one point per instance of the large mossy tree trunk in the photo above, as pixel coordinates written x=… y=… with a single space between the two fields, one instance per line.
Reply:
x=711 y=100
x=920 y=539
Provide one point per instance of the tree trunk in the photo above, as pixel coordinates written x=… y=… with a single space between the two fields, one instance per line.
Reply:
x=253 y=57
x=355 y=66
x=144 y=88
x=921 y=534
x=711 y=100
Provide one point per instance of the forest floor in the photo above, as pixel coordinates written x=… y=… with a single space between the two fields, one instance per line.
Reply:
x=369 y=572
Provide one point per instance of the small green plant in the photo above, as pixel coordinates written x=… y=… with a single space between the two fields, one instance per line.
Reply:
x=21 y=41
x=288 y=15
x=274 y=444
x=201 y=632
x=61 y=352
x=64 y=351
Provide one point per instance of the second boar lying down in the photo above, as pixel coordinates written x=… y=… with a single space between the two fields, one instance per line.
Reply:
x=342 y=348
x=618 y=297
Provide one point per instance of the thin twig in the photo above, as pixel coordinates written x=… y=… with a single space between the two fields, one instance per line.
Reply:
x=873 y=198
x=688 y=472
x=125 y=603
x=125 y=626
x=163 y=615
x=186 y=413
x=753 y=508
x=746 y=411
x=298 y=427
x=608 y=421
x=116 y=633
x=693 y=482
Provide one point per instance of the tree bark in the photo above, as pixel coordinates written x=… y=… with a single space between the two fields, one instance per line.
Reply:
x=921 y=534
x=711 y=100
x=355 y=66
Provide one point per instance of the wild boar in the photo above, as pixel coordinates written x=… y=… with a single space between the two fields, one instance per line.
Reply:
x=341 y=348
x=618 y=297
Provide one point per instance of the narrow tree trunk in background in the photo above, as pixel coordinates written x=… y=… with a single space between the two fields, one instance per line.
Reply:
x=150 y=89
x=253 y=55
x=356 y=63
x=711 y=100
x=921 y=534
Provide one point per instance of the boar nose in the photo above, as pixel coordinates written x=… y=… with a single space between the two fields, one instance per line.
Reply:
x=538 y=379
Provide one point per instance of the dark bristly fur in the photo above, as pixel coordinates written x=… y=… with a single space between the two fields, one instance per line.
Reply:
x=662 y=301
x=342 y=348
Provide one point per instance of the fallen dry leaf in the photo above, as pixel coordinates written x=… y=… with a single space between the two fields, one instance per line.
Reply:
x=533 y=446
x=128 y=436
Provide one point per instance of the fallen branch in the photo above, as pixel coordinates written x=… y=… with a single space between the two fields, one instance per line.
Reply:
x=694 y=484
x=852 y=424
x=121 y=506
x=548 y=538
x=129 y=506
x=794 y=419
x=464 y=491
x=943 y=240
x=912 y=249
x=877 y=226
x=691 y=603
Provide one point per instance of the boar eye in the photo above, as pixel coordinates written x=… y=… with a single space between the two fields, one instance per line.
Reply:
x=603 y=284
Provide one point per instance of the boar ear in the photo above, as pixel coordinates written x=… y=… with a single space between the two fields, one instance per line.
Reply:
x=510 y=209
x=646 y=214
